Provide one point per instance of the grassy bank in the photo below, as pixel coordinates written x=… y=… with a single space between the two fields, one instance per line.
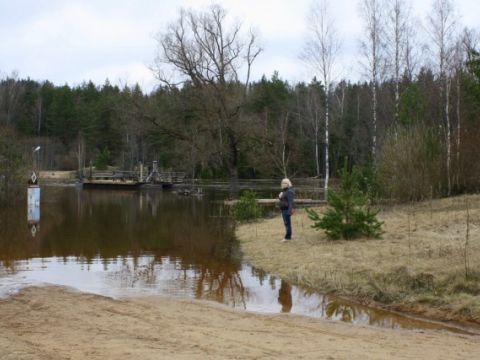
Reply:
x=419 y=265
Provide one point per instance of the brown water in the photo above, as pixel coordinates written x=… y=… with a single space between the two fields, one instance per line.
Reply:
x=132 y=243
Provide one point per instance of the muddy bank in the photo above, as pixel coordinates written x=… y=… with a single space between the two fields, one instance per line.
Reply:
x=418 y=266
x=56 y=323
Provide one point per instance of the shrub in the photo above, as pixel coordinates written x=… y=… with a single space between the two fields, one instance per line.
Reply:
x=349 y=214
x=410 y=165
x=247 y=208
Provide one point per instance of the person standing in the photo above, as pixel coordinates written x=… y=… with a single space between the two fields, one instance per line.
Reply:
x=286 y=207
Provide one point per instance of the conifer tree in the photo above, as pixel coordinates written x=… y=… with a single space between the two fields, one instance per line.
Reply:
x=349 y=214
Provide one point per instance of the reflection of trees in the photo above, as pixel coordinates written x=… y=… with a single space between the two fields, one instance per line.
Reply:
x=339 y=309
x=16 y=241
x=218 y=280
x=90 y=224
x=122 y=227
x=260 y=274
x=221 y=282
x=146 y=235
x=349 y=312
x=132 y=274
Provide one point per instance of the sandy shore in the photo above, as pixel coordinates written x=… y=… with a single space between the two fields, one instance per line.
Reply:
x=57 y=323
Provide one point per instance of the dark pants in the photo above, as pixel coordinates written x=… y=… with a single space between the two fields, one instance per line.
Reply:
x=288 y=224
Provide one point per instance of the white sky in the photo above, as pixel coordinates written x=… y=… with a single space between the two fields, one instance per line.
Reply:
x=75 y=41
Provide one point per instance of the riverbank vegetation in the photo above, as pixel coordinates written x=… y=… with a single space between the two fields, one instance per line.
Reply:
x=427 y=260
x=247 y=208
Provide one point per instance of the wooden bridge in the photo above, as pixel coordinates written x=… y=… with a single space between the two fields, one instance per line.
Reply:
x=112 y=179
x=131 y=179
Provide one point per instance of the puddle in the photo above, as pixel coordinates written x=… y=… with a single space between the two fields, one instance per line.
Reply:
x=123 y=244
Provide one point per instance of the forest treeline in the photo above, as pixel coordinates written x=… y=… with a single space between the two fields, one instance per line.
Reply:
x=414 y=121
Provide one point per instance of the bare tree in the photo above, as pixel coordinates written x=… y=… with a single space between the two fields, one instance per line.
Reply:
x=80 y=154
x=273 y=137
x=412 y=49
x=373 y=48
x=442 y=24
x=200 y=49
x=281 y=161
x=398 y=31
x=314 y=110
x=320 y=52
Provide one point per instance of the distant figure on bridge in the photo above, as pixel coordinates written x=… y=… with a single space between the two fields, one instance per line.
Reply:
x=286 y=207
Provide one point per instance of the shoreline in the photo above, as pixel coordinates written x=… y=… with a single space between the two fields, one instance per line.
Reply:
x=415 y=269
x=57 y=322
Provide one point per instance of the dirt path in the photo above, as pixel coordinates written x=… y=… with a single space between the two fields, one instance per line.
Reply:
x=56 y=323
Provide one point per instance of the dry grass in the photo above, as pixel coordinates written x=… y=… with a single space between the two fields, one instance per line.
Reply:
x=419 y=260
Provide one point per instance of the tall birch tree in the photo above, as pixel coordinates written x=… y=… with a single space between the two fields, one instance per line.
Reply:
x=320 y=52
x=412 y=49
x=442 y=28
x=373 y=52
x=397 y=31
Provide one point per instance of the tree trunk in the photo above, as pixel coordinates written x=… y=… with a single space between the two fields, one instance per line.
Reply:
x=233 y=164
x=449 y=135
x=284 y=145
x=374 y=119
x=327 y=138
x=317 y=156
x=459 y=134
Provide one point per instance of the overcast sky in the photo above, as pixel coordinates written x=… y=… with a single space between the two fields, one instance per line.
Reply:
x=74 y=41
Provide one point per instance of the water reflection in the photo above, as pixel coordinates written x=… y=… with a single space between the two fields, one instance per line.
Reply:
x=148 y=242
x=335 y=309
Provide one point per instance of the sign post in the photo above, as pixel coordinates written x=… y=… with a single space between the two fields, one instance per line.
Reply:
x=33 y=204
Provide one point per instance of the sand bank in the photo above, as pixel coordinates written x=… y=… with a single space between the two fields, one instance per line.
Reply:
x=56 y=323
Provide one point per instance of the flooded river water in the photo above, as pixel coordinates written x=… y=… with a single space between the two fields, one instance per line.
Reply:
x=149 y=242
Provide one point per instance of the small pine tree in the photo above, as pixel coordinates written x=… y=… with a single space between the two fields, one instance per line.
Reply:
x=247 y=208
x=349 y=214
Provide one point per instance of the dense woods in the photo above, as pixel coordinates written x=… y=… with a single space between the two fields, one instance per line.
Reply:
x=414 y=120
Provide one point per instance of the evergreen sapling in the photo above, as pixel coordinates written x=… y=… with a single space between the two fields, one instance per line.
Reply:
x=349 y=214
